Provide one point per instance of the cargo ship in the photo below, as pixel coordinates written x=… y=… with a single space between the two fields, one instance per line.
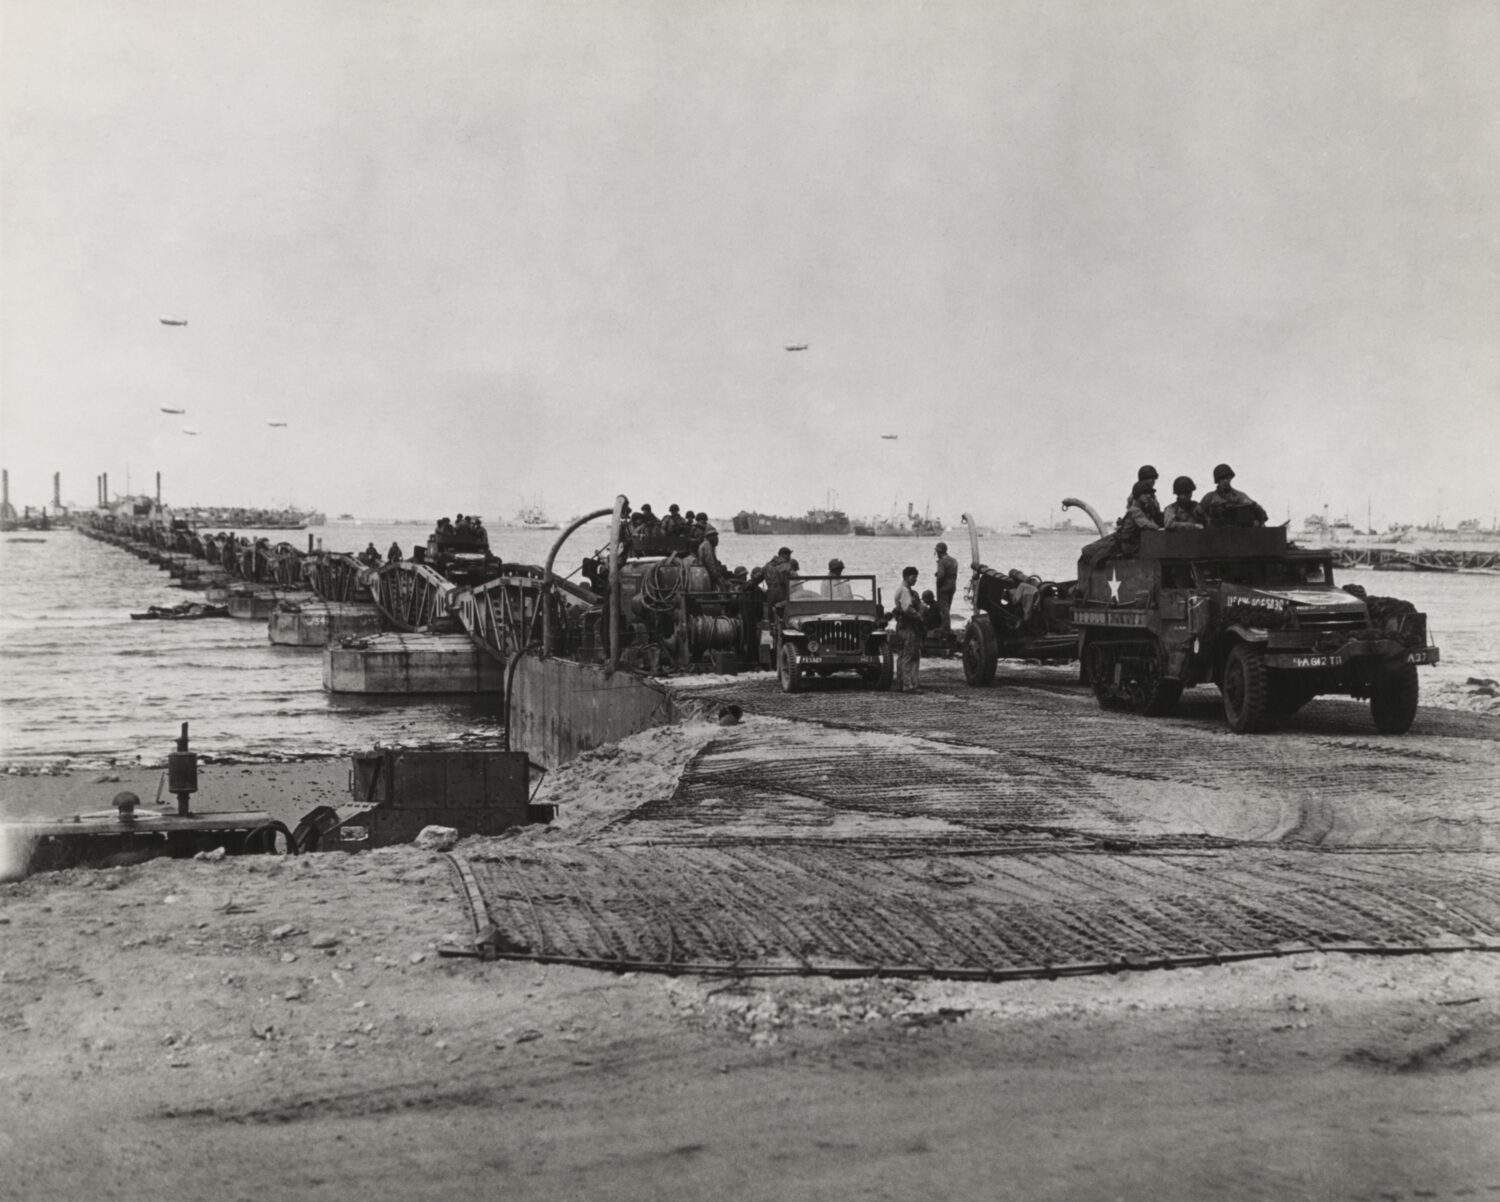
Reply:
x=907 y=525
x=814 y=521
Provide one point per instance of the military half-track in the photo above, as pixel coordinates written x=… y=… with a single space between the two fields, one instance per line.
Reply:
x=462 y=555
x=1251 y=613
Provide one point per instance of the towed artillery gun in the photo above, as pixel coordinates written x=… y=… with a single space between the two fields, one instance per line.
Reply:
x=1016 y=616
x=1251 y=613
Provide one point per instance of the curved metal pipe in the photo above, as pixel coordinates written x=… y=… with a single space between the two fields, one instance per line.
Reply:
x=614 y=584
x=1075 y=503
x=968 y=520
x=547 y=571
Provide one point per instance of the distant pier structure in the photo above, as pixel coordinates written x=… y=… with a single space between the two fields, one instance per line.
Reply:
x=1393 y=559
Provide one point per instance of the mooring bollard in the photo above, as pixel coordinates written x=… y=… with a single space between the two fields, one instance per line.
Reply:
x=182 y=772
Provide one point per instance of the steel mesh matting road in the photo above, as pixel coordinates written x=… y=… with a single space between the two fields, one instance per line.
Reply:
x=1020 y=830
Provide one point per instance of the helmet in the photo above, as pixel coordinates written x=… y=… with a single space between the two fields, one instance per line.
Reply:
x=1141 y=487
x=1223 y=471
x=941 y=548
x=1183 y=484
x=835 y=565
x=672 y=508
x=1147 y=472
x=786 y=552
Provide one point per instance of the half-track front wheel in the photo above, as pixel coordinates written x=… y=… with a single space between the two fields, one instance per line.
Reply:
x=1393 y=700
x=789 y=671
x=1245 y=689
x=980 y=652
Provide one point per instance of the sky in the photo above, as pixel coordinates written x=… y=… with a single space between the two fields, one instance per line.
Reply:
x=481 y=254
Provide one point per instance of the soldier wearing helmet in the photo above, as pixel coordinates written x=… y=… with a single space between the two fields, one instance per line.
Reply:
x=1150 y=506
x=945 y=582
x=1183 y=513
x=1227 y=506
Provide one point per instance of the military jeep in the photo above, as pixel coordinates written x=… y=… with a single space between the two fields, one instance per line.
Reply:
x=828 y=624
x=1244 y=609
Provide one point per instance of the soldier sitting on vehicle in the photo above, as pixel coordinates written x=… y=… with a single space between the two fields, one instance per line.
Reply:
x=1150 y=506
x=673 y=523
x=1183 y=513
x=1227 y=506
x=370 y=556
x=1143 y=514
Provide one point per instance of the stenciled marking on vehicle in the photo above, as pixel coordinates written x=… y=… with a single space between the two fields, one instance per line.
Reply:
x=1315 y=661
x=1109 y=617
x=1276 y=604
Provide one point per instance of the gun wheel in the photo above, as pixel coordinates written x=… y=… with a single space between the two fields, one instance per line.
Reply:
x=980 y=653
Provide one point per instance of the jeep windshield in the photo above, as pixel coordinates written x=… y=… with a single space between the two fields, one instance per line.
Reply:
x=832 y=588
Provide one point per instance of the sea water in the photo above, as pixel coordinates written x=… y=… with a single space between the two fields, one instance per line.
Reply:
x=83 y=685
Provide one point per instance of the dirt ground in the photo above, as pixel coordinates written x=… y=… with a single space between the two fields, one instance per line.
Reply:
x=260 y=1027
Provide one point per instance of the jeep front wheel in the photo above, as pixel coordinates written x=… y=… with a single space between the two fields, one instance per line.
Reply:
x=1393 y=700
x=789 y=671
x=1244 y=690
x=980 y=653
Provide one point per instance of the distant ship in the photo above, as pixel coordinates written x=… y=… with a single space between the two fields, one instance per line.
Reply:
x=530 y=517
x=815 y=521
x=911 y=524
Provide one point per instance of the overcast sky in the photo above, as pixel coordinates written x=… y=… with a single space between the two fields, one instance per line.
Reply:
x=475 y=253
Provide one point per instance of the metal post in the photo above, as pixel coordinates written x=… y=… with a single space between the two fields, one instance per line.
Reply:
x=547 y=572
x=57 y=491
x=106 y=490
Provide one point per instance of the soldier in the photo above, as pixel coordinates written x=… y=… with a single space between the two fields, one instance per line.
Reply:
x=648 y=519
x=394 y=554
x=672 y=524
x=1152 y=509
x=708 y=556
x=370 y=556
x=1139 y=516
x=906 y=639
x=946 y=583
x=775 y=574
x=1227 y=506
x=700 y=526
x=839 y=589
x=1183 y=513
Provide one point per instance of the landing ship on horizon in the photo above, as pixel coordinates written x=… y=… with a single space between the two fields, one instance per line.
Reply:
x=172 y=321
x=798 y=346
x=168 y=409
x=890 y=437
x=185 y=430
x=277 y=424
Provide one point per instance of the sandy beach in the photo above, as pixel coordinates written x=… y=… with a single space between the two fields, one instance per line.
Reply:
x=264 y=1026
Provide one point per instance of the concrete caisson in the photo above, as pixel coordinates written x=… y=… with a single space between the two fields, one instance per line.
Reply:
x=410 y=663
x=319 y=623
x=559 y=708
